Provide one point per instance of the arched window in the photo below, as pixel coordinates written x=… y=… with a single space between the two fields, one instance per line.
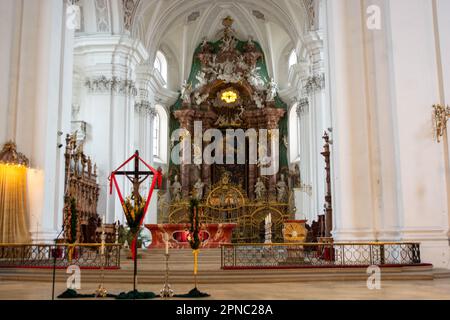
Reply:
x=156 y=135
x=161 y=65
x=160 y=135
x=292 y=59
x=294 y=134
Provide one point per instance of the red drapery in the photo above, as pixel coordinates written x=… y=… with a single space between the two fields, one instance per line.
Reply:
x=157 y=179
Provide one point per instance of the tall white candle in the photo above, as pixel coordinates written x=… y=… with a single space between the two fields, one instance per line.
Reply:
x=166 y=240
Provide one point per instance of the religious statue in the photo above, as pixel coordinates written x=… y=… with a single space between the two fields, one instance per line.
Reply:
x=186 y=92
x=255 y=79
x=272 y=90
x=241 y=64
x=227 y=73
x=198 y=188
x=281 y=189
x=201 y=78
x=176 y=189
x=295 y=176
x=260 y=189
x=258 y=100
x=200 y=98
x=205 y=47
x=228 y=44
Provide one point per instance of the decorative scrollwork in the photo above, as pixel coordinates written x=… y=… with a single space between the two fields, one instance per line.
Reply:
x=225 y=196
x=113 y=85
x=145 y=108
x=314 y=83
x=440 y=117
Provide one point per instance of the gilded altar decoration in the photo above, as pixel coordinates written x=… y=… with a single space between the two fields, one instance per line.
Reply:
x=226 y=208
x=10 y=156
x=13 y=192
x=440 y=118
x=229 y=96
x=225 y=196
x=295 y=231
x=229 y=89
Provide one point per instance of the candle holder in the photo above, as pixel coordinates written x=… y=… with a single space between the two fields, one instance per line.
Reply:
x=101 y=292
x=166 y=291
x=117 y=232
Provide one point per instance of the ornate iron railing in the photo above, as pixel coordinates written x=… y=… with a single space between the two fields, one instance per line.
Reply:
x=43 y=255
x=256 y=256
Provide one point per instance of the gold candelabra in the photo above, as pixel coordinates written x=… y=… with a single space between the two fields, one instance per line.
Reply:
x=166 y=291
x=441 y=115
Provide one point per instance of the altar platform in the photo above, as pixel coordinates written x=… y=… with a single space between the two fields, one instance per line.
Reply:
x=211 y=235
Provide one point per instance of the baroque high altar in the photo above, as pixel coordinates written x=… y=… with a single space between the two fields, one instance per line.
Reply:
x=228 y=88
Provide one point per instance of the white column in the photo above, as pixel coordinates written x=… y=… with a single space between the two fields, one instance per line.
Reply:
x=389 y=173
x=108 y=64
x=351 y=154
x=315 y=90
x=423 y=201
x=38 y=72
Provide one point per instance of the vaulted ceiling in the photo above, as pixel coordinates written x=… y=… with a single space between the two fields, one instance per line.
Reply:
x=176 y=27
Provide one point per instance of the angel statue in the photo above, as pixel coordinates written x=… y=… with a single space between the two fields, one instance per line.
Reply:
x=186 y=92
x=201 y=78
x=260 y=189
x=272 y=90
x=255 y=79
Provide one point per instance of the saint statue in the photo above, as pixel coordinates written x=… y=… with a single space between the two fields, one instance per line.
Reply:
x=176 y=189
x=272 y=90
x=198 y=188
x=186 y=92
x=281 y=189
x=260 y=189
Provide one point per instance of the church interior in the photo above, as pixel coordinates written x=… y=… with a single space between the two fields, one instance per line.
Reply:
x=253 y=149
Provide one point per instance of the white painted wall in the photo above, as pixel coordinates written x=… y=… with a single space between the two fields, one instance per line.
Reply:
x=389 y=172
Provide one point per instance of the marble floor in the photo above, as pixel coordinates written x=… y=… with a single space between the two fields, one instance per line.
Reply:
x=409 y=290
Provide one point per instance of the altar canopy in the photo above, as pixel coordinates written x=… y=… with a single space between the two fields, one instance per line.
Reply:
x=229 y=88
x=13 y=192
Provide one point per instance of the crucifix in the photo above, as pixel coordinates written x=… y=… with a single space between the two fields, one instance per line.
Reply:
x=136 y=177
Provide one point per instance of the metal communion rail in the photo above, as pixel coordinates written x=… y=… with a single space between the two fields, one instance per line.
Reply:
x=282 y=255
x=42 y=255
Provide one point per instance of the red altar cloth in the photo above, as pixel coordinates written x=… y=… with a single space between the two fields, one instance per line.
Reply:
x=211 y=235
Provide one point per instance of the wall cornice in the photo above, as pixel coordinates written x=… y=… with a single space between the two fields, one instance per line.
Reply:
x=119 y=49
